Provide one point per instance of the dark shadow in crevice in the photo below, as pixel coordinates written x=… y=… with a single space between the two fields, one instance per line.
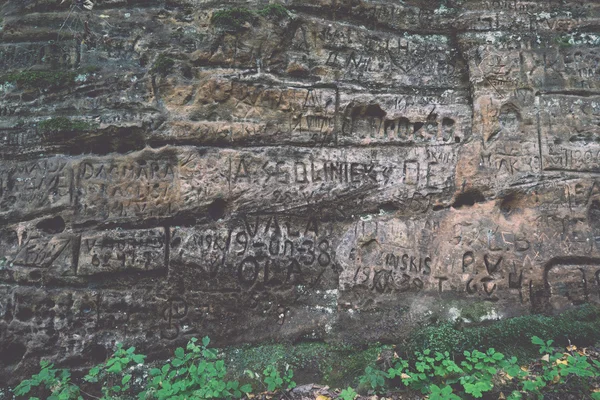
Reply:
x=468 y=198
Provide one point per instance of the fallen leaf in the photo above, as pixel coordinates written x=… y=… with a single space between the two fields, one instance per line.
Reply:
x=501 y=396
x=556 y=379
x=546 y=358
x=524 y=368
x=321 y=397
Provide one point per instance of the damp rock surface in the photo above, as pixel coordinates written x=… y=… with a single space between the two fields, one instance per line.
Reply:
x=346 y=171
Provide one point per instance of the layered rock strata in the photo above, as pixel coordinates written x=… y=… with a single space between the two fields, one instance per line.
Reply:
x=335 y=171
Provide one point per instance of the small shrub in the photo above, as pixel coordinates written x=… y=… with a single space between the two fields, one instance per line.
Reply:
x=57 y=382
x=163 y=64
x=374 y=379
x=274 y=380
x=348 y=394
x=195 y=372
x=233 y=18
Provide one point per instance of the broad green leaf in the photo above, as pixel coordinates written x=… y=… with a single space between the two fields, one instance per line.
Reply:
x=179 y=352
x=138 y=358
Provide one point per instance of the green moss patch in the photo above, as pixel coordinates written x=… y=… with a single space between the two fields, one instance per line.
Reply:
x=40 y=79
x=163 y=64
x=62 y=124
x=274 y=11
x=335 y=365
x=339 y=365
x=512 y=336
x=235 y=19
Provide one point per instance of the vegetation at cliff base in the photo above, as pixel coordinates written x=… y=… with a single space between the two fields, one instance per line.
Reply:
x=200 y=372
x=233 y=18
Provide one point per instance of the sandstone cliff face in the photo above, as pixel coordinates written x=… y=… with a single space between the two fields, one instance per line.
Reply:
x=345 y=172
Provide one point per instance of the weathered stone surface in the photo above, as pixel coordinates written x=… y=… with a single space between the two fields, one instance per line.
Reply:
x=345 y=174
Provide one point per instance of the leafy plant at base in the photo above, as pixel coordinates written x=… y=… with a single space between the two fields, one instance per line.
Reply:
x=111 y=373
x=274 y=381
x=56 y=381
x=348 y=394
x=195 y=373
x=442 y=393
x=373 y=378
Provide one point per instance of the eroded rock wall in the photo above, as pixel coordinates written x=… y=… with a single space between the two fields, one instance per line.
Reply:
x=347 y=172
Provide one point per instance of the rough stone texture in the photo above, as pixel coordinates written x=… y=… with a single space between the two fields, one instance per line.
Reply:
x=347 y=173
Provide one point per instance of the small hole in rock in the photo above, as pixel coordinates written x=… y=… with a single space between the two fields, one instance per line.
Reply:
x=52 y=225
x=96 y=353
x=216 y=209
x=12 y=354
x=35 y=275
x=176 y=242
x=509 y=203
x=468 y=198
x=388 y=207
x=24 y=314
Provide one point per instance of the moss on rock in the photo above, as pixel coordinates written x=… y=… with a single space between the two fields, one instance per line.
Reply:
x=163 y=64
x=40 y=79
x=233 y=18
x=333 y=364
x=513 y=335
x=62 y=124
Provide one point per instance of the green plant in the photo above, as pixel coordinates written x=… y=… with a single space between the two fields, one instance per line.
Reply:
x=195 y=372
x=199 y=372
x=348 y=394
x=442 y=393
x=55 y=381
x=58 y=381
x=163 y=64
x=274 y=381
x=580 y=325
x=233 y=18
x=545 y=346
x=373 y=378
x=479 y=370
x=110 y=372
